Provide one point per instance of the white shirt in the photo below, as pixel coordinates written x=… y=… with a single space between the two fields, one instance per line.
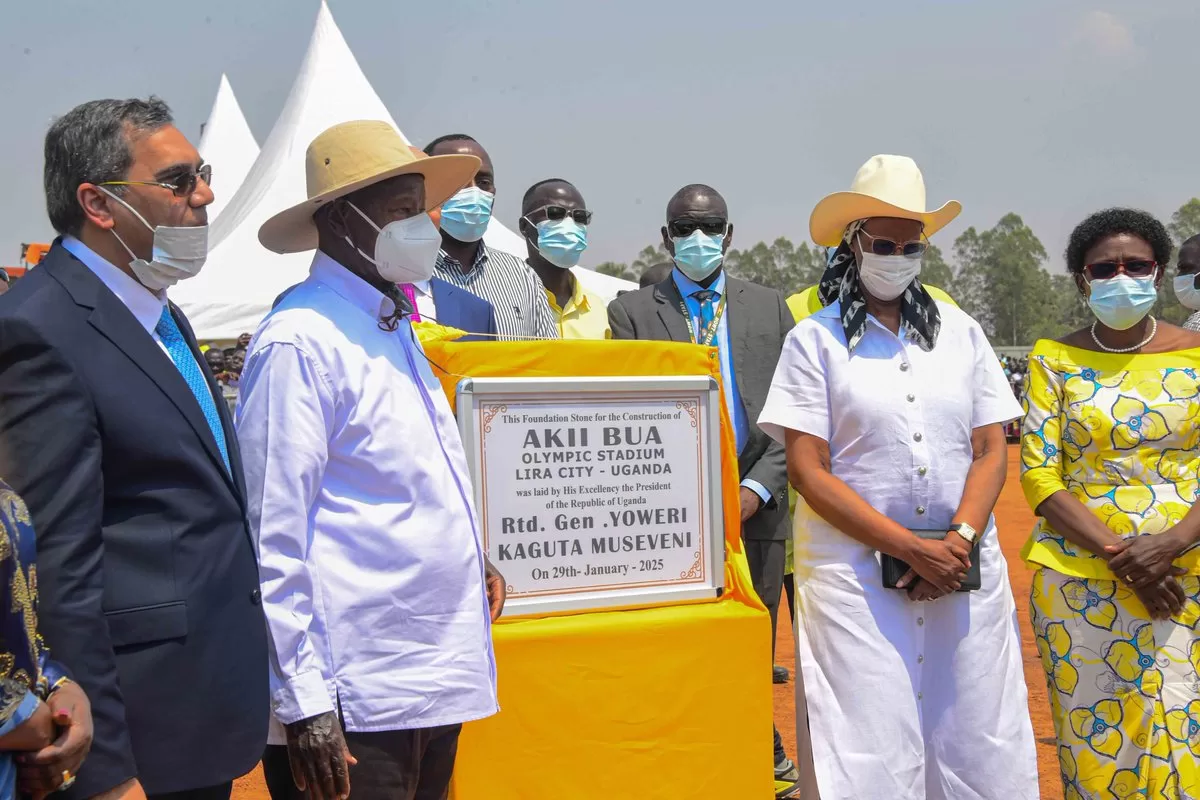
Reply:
x=900 y=695
x=145 y=305
x=360 y=503
x=898 y=419
x=425 y=305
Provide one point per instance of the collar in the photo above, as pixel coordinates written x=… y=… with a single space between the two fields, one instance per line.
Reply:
x=145 y=305
x=578 y=300
x=687 y=287
x=424 y=288
x=350 y=287
x=446 y=261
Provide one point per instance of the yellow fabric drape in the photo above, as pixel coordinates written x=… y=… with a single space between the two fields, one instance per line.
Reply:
x=646 y=703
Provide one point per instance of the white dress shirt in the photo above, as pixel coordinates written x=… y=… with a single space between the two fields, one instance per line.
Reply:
x=426 y=307
x=360 y=502
x=145 y=305
x=904 y=699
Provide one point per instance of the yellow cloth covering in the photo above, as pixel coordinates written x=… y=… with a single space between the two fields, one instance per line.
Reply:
x=651 y=703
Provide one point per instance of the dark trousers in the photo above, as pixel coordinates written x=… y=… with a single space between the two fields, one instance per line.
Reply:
x=392 y=765
x=767 y=559
x=218 y=792
x=789 y=588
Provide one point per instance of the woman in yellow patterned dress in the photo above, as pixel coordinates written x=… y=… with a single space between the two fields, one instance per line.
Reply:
x=1109 y=464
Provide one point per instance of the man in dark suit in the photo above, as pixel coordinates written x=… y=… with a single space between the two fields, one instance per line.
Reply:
x=698 y=302
x=113 y=430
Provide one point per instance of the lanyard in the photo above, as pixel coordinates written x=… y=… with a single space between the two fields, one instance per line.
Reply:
x=709 y=334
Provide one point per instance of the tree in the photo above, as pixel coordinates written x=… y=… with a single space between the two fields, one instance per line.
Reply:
x=616 y=270
x=780 y=265
x=1185 y=223
x=936 y=272
x=1003 y=283
x=650 y=255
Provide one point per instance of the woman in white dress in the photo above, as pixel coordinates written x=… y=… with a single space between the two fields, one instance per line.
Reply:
x=891 y=407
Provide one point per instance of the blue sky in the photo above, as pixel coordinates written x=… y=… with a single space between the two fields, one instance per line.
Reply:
x=1049 y=108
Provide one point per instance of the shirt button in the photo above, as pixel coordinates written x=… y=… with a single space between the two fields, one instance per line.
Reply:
x=920 y=659
x=256 y=597
x=912 y=398
x=920 y=695
x=922 y=471
x=917 y=436
x=920 y=509
x=904 y=366
x=920 y=620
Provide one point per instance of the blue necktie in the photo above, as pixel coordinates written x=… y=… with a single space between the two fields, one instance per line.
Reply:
x=708 y=310
x=185 y=362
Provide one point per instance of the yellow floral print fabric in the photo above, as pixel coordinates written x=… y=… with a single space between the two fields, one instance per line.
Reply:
x=1120 y=433
x=1124 y=689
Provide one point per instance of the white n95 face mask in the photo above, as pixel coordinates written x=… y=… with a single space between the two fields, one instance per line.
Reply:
x=406 y=250
x=886 y=277
x=178 y=253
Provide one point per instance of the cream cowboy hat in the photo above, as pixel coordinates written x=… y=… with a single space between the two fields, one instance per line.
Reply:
x=885 y=186
x=353 y=156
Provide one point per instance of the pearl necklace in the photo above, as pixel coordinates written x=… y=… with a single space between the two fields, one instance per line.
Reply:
x=1138 y=346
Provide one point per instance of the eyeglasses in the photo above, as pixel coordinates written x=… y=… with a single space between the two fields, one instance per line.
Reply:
x=888 y=247
x=711 y=226
x=183 y=185
x=555 y=213
x=1135 y=268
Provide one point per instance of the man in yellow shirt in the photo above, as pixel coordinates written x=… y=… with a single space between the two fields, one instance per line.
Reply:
x=554 y=222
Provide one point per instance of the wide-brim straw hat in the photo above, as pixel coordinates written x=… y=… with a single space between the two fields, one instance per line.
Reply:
x=353 y=156
x=885 y=186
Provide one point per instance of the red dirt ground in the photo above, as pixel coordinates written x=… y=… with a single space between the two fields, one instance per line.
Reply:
x=1015 y=521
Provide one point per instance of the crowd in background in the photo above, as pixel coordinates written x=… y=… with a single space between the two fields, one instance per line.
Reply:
x=271 y=552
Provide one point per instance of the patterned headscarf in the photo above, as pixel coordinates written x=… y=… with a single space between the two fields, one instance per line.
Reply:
x=919 y=316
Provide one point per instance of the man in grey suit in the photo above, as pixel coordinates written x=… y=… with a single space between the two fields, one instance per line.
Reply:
x=747 y=323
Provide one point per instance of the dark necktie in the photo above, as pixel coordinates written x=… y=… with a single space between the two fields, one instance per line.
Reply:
x=708 y=310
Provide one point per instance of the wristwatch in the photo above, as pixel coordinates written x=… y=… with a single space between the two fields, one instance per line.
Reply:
x=966 y=531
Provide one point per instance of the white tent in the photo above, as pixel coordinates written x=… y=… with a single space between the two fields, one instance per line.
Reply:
x=241 y=279
x=227 y=143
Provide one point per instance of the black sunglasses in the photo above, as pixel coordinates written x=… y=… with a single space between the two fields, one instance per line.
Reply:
x=711 y=226
x=555 y=213
x=888 y=247
x=183 y=185
x=1103 y=270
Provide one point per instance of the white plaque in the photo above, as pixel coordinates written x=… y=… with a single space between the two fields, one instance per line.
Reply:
x=597 y=492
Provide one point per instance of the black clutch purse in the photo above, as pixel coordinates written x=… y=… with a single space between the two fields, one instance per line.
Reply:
x=894 y=568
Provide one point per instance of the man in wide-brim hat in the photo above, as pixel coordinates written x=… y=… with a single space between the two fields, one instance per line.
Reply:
x=377 y=593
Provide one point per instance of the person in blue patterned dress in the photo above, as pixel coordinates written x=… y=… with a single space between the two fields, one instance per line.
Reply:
x=45 y=719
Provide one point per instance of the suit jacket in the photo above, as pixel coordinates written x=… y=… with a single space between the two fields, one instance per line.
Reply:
x=758 y=320
x=460 y=309
x=146 y=569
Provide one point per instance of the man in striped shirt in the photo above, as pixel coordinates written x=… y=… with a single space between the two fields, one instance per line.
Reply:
x=505 y=281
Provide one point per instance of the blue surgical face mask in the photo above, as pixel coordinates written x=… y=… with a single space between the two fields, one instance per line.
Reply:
x=465 y=216
x=699 y=255
x=561 y=242
x=1122 y=302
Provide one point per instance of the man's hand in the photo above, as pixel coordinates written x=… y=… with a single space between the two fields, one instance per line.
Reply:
x=497 y=590
x=1143 y=561
x=319 y=757
x=750 y=502
x=243 y=341
x=42 y=772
